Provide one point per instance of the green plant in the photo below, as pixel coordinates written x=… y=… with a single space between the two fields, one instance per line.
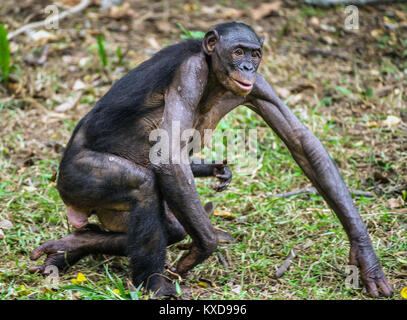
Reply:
x=101 y=50
x=190 y=34
x=4 y=53
x=119 y=55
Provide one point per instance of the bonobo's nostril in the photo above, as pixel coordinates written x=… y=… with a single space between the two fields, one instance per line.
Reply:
x=246 y=66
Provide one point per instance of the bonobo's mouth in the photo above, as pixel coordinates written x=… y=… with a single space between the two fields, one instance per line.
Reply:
x=244 y=85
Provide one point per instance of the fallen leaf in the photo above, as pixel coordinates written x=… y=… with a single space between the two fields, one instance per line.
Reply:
x=222 y=213
x=163 y=26
x=229 y=13
x=395 y=203
x=401 y=15
x=376 y=33
x=121 y=11
x=237 y=289
x=315 y=21
x=69 y=3
x=5 y=224
x=42 y=36
x=69 y=104
x=282 y=92
x=203 y=284
x=265 y=10
x=78 y=85
x=372 y=124
x=392 y=121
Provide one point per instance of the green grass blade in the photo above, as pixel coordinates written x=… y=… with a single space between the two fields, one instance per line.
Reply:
x=101 y=49
x=4 y=53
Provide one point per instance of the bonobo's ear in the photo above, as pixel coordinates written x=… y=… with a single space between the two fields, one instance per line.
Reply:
x=261 y=39
x=209 y=41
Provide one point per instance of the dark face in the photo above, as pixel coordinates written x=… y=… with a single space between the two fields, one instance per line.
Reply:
x=235 y=58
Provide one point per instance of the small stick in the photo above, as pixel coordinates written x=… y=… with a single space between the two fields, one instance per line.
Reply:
x=283 y=268
x=314 y=191
x=289 y=259
x=81 y=6
x=222 y=260
x=328 y=53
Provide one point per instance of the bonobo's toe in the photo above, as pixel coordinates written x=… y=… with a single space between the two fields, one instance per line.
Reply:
x=164 y=289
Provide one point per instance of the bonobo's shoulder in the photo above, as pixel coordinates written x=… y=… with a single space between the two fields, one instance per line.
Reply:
x=195 y=65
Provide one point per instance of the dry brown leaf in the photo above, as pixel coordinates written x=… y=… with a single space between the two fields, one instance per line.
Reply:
x=282 y=92
x=224 y=214
x=118 y=12
x=70 y=3
x=229 y=13
x=265 y=9
x=395 y=203
x=391 y=121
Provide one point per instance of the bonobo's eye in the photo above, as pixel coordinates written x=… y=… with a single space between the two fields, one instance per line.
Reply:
x=256 y=54
x=238 y=52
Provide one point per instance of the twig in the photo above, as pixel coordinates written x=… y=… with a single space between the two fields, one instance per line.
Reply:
x=288 y=260
x=81 y=6
x=222 y=260
x=328 y=53
x=314 y=191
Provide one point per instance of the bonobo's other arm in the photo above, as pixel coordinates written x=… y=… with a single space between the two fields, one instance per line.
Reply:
x=175 y=178
x=311 y=156
x=219 y=170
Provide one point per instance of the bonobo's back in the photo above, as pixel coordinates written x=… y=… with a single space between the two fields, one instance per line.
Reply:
x=124 y=103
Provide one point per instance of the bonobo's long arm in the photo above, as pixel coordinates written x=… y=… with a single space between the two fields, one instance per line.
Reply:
x=175 y=178
x=311 y=156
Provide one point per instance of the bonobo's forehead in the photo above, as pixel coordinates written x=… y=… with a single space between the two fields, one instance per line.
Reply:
x=238 y=34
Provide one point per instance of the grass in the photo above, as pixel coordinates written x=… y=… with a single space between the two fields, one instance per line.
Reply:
x=265 y=231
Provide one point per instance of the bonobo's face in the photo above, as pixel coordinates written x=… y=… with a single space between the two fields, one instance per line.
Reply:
x=235 y=57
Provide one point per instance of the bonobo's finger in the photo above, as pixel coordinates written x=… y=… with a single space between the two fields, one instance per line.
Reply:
x=45 y=248
x=36 y=269
x=223 y=176
x=385 y=287
x=372 y=289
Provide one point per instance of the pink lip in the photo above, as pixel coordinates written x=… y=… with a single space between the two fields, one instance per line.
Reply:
x=244 y=85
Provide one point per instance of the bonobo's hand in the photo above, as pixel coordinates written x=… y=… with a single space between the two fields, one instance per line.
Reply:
x=363 y=256
x=224 y=174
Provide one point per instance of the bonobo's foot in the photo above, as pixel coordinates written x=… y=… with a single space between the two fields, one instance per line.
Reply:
x=363 y=256
x=64 y=252
x=61 y=253
x=163 y=288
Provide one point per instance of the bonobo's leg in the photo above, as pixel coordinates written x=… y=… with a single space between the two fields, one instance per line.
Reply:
x=92 y=182
x=147 y=242
x=65 y=252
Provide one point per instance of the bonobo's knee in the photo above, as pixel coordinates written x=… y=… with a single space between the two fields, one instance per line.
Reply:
x=210 y=245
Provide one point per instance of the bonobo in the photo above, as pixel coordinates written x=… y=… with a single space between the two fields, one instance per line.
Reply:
x=144 y=206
